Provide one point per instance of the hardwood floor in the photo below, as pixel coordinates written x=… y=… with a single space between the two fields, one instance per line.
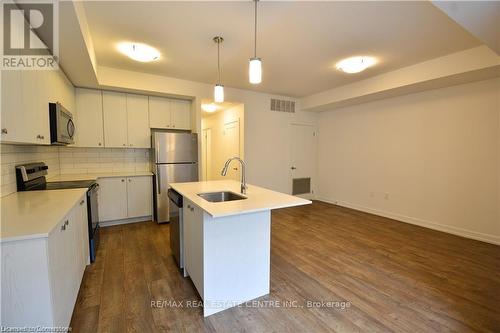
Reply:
x=395 y=277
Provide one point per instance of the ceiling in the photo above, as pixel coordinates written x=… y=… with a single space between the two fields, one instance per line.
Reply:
x=299 y=42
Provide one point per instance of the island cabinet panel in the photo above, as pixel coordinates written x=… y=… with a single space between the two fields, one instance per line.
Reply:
x=193 y=244
x=236 y=259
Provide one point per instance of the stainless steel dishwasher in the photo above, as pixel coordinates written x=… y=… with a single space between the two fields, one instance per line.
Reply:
x=176 y=227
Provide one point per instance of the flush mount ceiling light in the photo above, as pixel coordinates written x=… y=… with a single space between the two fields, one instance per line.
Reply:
x=139 y=52
x=255 y=64
x=355 y=64
x=219 y=88
x=209 y=107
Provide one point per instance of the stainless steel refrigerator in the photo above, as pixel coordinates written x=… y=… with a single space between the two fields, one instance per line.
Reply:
x=175 y=160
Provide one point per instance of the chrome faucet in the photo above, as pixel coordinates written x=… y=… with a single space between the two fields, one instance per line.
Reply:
x=243 y=179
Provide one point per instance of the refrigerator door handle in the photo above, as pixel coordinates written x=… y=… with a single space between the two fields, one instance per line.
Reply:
x=158 y=183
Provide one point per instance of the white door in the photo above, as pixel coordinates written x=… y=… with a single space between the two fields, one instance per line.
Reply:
x=303 y=155
x=114 y=106
x=159 y=112
x=138 y=121
x=90 y=128
x=206 y=153
x=181 y=114
x=112 y=199
x=231 y=148
x=139 y=192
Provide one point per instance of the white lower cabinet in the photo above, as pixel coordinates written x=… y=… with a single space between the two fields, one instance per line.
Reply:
x=41 y=276
x=139 y=192
x=125 y=197
x=112 y=198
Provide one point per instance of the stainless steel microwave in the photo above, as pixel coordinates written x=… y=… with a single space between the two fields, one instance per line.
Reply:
x=62 y=127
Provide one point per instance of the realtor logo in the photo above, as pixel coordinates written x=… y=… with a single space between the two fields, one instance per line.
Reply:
x=24 y=25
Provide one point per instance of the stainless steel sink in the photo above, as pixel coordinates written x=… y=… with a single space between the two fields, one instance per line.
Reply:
x=221 y=196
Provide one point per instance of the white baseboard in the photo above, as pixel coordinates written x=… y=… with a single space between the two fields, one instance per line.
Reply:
x=422 y=223
x=125 y=221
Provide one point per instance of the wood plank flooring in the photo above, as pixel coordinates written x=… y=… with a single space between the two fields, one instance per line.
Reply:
x=391 y=276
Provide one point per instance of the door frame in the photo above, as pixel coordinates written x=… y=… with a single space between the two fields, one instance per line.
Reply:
x=311 y=195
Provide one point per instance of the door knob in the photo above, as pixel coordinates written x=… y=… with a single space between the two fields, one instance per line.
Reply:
x=293 y=168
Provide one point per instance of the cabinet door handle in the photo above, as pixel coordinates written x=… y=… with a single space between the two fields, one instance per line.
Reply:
x=123 y=180
x=63 y=227
x=4 y=131
x=67 y=222
x=81 y=202
x=191 y=209
x=124 y=145
x=129 y=180
x=100 y=144
x=173 y=126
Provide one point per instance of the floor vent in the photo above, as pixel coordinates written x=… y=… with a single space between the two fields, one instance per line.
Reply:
x=301 y=186
x=282 y=105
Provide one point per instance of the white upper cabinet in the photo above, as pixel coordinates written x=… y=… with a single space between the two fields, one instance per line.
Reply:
x=12 y=106
x=180 y=111
x=114 y=106
x=169 y=113
x=138 y=121
x=89 y=128
x=159 y=112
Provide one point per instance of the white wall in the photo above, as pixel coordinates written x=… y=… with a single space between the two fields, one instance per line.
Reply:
x=429 y=158
x=267 y=133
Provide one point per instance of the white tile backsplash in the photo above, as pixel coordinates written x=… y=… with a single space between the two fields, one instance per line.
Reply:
x=69 y=160
x=12 y=155
x=95 y=160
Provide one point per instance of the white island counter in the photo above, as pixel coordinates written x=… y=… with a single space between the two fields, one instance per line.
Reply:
x=227 y=244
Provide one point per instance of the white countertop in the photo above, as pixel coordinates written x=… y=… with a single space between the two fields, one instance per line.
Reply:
x=33 y=214
x=258 y=198
x=95 y=176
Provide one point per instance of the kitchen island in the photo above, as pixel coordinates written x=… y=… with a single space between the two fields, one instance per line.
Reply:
x=227 y=244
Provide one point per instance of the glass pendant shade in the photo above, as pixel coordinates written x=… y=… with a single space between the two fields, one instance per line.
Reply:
x=255 y=70
x=219 y=93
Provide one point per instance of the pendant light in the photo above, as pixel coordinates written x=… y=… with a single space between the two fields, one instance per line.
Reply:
x=219 y=88
x=255 y=64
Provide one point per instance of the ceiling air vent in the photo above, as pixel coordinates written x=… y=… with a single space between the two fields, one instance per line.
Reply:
x=282 y=105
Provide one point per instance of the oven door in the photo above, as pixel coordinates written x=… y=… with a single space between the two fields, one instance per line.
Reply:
x=93 y=220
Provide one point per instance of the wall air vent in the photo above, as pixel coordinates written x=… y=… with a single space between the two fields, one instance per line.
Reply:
x=282 y=105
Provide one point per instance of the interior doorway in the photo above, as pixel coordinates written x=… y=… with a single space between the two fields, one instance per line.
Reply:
x=222 y=138
x=302 y=160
